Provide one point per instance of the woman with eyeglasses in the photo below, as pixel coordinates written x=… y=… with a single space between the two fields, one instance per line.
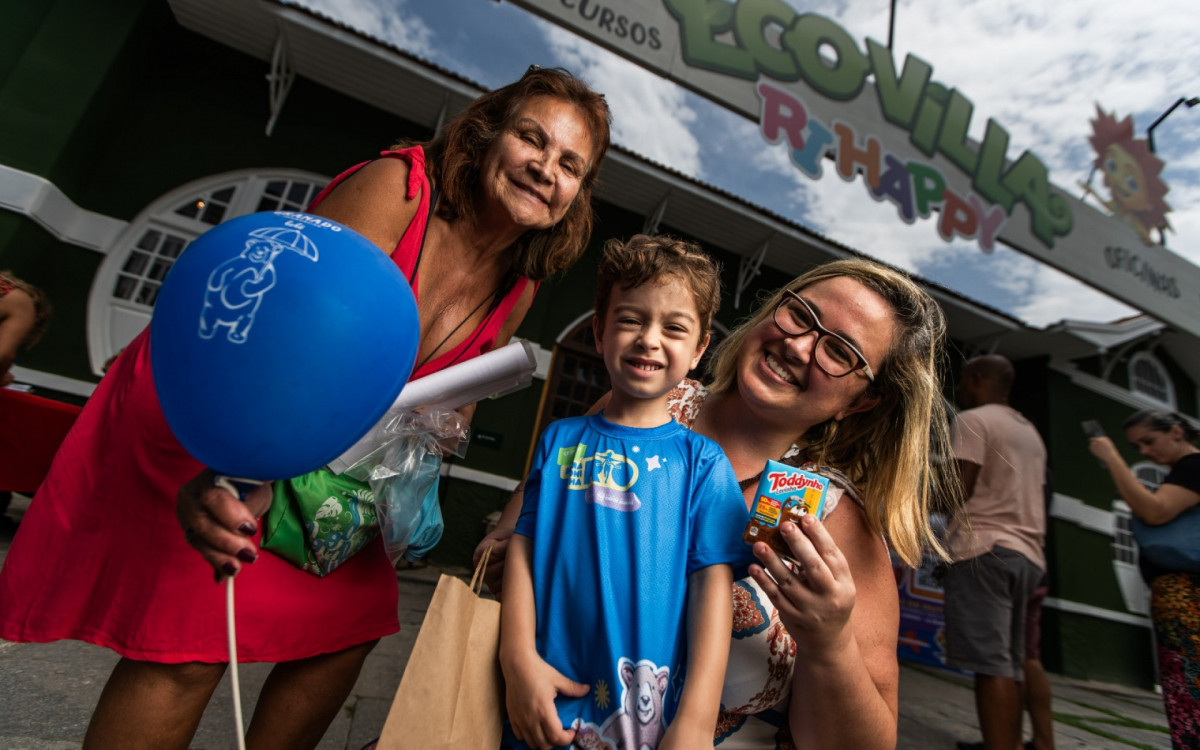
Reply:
x=838 y=372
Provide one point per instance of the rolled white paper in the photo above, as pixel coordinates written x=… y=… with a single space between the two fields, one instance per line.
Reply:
x=500 y=371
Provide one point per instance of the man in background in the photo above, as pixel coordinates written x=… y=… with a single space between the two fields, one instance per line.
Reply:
x=996 y=546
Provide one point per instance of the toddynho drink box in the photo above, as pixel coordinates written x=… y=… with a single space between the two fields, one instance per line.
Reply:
x=785 y=493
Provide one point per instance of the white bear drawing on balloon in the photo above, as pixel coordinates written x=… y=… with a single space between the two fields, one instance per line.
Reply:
x=236 y=287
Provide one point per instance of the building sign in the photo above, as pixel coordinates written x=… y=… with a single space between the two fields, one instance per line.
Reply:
x=817 y=92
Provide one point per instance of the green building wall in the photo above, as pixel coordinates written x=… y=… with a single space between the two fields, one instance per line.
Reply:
x=1080 y=559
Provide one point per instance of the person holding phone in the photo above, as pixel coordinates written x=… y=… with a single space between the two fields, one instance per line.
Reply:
x=1168 y=439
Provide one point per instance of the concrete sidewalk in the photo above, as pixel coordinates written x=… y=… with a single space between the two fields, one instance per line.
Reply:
x=48 y=692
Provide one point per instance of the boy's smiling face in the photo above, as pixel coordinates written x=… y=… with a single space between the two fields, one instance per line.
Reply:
x=650 y=338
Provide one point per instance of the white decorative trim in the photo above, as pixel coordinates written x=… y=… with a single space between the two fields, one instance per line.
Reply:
x=455 y=471
x=1156 y=363
x=39 y=199
x=566 y=330
x=1076 y=608
x=280 y=79
x=52 y=381
x=1066 y=508
x=749 y=266
x=1104 y=388
x=654 y=219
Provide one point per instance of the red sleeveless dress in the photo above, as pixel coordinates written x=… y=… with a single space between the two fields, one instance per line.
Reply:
x=100 y=557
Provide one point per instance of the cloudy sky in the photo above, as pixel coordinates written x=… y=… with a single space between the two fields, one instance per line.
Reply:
x=1038 y=68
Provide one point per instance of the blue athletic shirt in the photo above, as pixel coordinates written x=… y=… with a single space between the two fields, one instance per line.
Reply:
x=619 y=518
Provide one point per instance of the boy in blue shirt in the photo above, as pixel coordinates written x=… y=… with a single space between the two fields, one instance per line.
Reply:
x=617 y=587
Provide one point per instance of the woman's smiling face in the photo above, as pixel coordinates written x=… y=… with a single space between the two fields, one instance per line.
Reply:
x=778 y=371
x=535 y=168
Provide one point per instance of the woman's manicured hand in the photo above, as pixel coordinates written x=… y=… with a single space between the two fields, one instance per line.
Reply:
x=219 y=524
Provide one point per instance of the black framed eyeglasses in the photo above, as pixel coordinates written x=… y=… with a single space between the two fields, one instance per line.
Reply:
x=836 y=356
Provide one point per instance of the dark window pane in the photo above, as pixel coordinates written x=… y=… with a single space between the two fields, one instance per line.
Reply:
x=147 y=294
x=213 y=213
x=297 y=193
x=158 y=270
x=125 y=287
x=225 y=195
x=275 y=188
x=191 y=209
x=172 y=247
x=267 y=204
x=136 y=262
x=149 y=240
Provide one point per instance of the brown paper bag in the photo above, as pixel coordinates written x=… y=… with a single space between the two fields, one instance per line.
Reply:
x=451 y=696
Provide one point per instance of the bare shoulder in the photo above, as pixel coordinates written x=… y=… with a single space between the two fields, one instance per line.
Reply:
x=877 y=601
x=876 y=615
x=864 y=549
x=373 y=202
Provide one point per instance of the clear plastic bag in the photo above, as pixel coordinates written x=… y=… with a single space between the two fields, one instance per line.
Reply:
x=403 y=474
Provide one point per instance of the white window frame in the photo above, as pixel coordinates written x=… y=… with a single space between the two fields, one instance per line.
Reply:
x=1125 y=549
x=112 y=321
x=1146 y=358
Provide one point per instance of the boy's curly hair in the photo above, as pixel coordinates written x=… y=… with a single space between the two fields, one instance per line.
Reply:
x=644 y=258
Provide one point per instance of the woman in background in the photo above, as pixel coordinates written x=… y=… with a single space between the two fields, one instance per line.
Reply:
x=1167 y=439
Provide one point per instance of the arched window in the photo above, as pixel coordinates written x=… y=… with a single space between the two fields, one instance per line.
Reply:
x=126 y=285
x=1148 y=377
x=1124 y=549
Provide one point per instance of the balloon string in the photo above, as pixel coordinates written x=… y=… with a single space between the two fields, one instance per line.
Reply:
x=233 y=665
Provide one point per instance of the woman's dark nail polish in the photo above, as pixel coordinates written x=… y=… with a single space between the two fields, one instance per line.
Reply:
x=229 y=569
x=246 y=556
x=247 y=528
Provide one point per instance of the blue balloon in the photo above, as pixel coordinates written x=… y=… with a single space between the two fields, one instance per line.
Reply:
x=278 y=340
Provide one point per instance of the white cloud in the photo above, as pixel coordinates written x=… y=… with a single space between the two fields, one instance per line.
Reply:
x=392 y=22
x=650 y=114
x=1050 y=296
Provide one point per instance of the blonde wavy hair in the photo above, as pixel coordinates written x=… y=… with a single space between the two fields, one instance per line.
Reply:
x=897 y=453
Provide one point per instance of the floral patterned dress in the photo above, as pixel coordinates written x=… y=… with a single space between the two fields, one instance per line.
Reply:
x=762 y=655
x=1175 y=612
